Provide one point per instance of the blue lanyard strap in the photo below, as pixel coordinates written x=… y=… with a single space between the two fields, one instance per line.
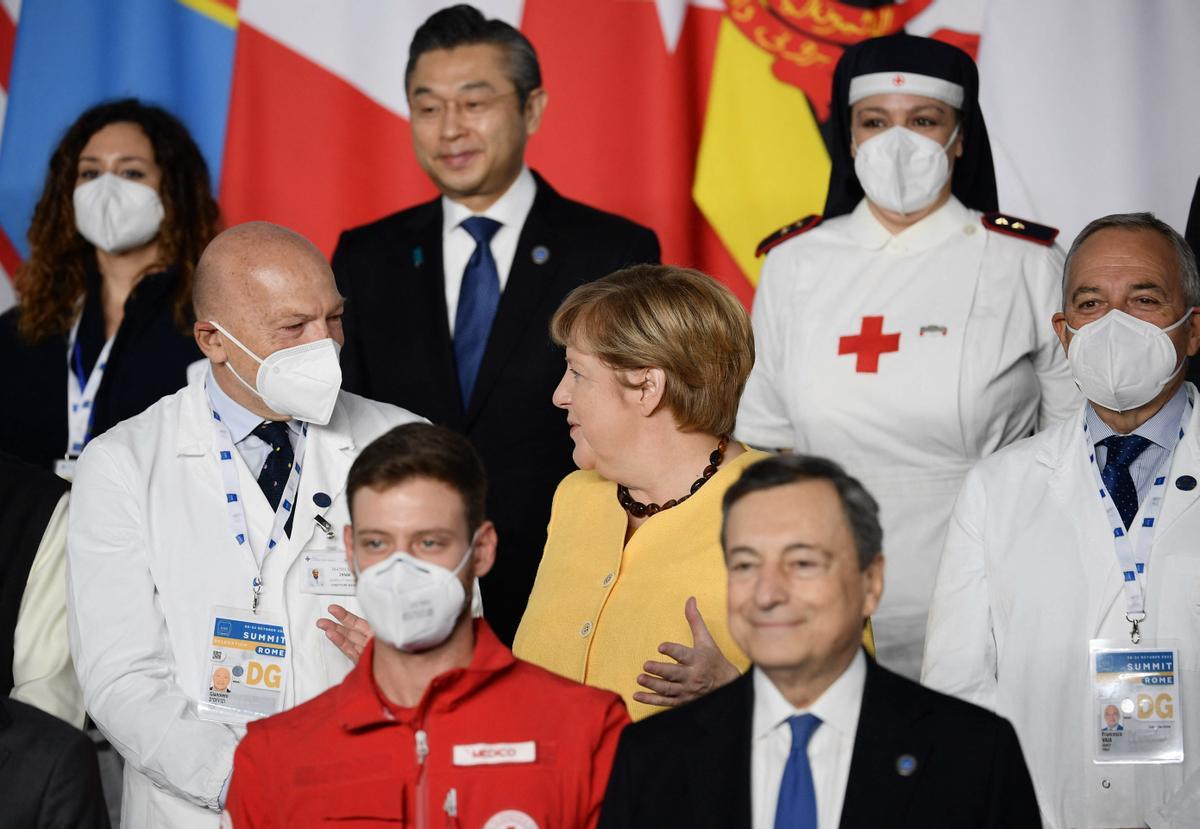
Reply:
x=233 y=500
x=1133 y=562
x=81 y=390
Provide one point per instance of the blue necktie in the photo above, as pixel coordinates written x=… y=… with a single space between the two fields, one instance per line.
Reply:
x=278 y=466
x=797 y=806
x=1122 y=451
x=477 y=301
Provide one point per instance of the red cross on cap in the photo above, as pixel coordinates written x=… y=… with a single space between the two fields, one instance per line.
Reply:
x=898 y=80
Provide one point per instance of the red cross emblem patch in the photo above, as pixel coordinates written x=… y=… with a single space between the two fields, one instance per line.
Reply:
x=868 y=344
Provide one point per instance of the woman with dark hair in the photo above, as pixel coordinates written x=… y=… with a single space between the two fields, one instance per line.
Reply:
x=104 y=300
x=906 y=333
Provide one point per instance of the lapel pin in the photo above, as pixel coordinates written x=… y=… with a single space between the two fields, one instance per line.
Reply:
x=1185 y=482
x=906 y=765
x=418 y=256
x=933 y=329
x=321 y=499
x=540 y=254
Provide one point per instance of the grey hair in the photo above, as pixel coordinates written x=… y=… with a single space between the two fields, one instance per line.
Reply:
x=1186 y=259
x=859 y=507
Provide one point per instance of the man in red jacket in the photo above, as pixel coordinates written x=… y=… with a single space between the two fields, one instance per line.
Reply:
x=438 y=725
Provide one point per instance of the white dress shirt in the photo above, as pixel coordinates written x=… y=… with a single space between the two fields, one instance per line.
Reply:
x=241 y=423
x=829 y=749
x=510 y=210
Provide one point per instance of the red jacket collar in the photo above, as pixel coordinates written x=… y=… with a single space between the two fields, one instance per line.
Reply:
x=361 y=704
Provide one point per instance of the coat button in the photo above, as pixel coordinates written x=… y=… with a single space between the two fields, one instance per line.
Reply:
x=608 y=580
x=1106 y=783
x=586 y=629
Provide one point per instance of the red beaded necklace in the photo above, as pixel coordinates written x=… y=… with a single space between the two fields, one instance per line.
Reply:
x=639 y=510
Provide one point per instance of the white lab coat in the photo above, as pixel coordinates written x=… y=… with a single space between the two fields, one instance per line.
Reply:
x=150 y=552
x=976 y=366
x=1028 y=576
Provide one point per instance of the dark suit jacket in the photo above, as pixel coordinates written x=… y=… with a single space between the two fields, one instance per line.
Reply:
x=49 y=778
x=1192 y=234
x=28 y=498
x=690 y=767
x=149 y=359
x=398 y=350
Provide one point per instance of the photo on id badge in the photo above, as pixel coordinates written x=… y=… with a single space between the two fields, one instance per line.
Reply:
x=1136 y=704
x=246 y=667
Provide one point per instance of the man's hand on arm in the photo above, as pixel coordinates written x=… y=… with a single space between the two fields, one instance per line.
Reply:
x=695 y=672
x=350 y=633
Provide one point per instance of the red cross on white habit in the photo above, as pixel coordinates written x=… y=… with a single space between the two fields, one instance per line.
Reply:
x=868 y=344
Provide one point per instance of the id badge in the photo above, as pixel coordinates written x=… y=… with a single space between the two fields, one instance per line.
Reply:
x=246 y=667
x=1136 y=703
x=65 y=469
x=327 y=572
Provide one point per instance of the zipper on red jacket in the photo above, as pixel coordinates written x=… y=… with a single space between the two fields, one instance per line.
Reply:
x=450 y=807
x=422 y=795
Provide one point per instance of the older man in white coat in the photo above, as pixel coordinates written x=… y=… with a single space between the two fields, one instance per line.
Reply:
x=204 y=533
x=1072 y=560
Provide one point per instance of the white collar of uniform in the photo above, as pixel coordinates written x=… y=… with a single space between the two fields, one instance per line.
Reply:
x=952 y=217
x=509 y=210
x=239 y=420
x=838 y=708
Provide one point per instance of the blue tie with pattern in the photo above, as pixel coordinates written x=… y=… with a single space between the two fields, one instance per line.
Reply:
x=477 y=301
x=797 y=806
x=1122 y=451
x=278 y=466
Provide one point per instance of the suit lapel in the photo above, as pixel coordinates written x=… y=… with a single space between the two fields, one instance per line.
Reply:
x=1185 y=462
x=527 y=284
x=1072 y=485
x=421 y=297
x=327 y=459
x=720 y=770
x=890 y=742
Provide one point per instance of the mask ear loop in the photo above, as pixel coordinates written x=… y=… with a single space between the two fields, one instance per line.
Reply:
x=229 y=365
x=1182 y=360
x=950 y=140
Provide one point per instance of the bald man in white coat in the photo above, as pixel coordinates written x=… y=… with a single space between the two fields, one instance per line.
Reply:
x=1076 y=533
x=207 y=515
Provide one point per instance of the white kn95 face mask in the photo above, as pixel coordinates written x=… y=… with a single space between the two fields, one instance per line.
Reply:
x=301 y=382
x=116 y=214
x=410 y=603
x=901 y=170
x=1121 y=362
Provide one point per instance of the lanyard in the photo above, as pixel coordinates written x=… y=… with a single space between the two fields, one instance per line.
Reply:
x=81 y=391
x=233 y=498
x=1133 y=562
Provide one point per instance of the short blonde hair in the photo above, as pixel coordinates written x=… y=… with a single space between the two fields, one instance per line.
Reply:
x=676 y=319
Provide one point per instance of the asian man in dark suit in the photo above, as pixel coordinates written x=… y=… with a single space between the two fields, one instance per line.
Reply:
x=815 y=735
x=449 y=302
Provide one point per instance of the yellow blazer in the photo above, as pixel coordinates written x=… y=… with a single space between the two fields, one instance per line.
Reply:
x=600 y=607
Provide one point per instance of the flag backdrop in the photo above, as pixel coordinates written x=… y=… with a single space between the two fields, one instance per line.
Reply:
x=701 y=118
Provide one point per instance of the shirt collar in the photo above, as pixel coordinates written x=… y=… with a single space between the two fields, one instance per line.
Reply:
x=239 y=420
x=865 y=230
x=1162 y=429
x=509 y=210
x=838 y=708
x=361 y=704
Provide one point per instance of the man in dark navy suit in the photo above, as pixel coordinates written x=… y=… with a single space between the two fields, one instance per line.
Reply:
x=449 y=302
x=815 y=735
